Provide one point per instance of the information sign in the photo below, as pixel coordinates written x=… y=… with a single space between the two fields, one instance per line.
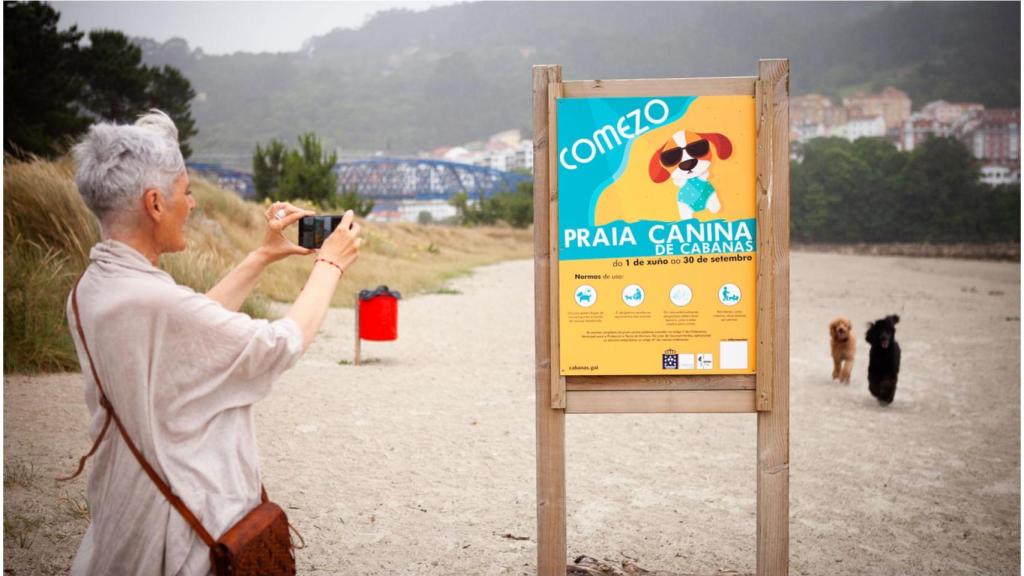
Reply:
x=657 y=235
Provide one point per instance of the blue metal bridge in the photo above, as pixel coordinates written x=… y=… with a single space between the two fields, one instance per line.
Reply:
x=392 y=179
x=423 y=179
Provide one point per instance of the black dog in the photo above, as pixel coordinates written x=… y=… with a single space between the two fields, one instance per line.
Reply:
x=884 y=364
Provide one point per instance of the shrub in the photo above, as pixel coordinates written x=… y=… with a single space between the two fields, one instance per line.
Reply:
x=513 y=208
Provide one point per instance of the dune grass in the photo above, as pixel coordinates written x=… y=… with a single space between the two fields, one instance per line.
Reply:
x=48 y=232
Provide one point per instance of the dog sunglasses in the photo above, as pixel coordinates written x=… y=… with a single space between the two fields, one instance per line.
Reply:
x=674 y=156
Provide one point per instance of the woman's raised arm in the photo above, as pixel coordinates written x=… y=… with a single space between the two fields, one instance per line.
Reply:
x=339 y=251
x=234 y=288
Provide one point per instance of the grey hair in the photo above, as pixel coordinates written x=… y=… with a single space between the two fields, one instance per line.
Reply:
x=116 y=163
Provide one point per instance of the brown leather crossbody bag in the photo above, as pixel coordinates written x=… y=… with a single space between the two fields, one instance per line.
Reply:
x=259 y=544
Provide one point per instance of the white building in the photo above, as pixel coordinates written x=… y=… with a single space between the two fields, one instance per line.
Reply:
x=951 y=112
x=808 y=130
x=994 y=175
x=918 y=128
x=864 y=127
x=523 y=156
x=505 y=151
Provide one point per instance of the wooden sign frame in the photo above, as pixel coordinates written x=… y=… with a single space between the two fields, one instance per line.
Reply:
x=765 y=393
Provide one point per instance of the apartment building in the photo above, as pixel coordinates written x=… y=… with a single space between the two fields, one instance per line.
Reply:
x=891 y=104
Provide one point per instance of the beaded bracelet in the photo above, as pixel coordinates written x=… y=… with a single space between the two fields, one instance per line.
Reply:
x=332 y=264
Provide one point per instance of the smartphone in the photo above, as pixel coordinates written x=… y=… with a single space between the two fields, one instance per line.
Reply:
x=313 y=230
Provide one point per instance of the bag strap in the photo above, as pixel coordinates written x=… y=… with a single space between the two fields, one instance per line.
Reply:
x=105 y=402
x=95 y=445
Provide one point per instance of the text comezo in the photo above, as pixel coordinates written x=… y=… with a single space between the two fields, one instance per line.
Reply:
x=629 y=126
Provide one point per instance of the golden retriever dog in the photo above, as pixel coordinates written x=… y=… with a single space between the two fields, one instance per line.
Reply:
x=843 y=347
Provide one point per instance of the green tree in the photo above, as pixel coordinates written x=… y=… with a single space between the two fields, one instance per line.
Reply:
x=116 y=80
x=349 y=199
x=869 y=191
x=999 y=213
x=118 y=87
x=171 y=92
x=514 y=208
x=873 y=207
x=470 y=213
x=308 y=172
x=267 y=166
x=821 y=189
x=941 y=188
x=41 y=80
x=53 y=85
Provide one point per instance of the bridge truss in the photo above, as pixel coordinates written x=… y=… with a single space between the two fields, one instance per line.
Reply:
x=392 y=179
x=423 y=179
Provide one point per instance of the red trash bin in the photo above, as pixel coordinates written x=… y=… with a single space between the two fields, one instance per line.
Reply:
x=378 y=314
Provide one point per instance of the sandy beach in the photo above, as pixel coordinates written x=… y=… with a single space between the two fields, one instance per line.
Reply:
x=421 y=462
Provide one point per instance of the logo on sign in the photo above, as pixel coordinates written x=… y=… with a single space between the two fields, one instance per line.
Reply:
x=729 y=294
x=670 y=360
x=680 y=295
x=586 y=296
x=633 y=295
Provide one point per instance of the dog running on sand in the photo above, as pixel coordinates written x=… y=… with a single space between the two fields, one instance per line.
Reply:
x=884 y=364
x=843 y=348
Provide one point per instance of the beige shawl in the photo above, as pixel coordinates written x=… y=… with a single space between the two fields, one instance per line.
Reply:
x=182 y=372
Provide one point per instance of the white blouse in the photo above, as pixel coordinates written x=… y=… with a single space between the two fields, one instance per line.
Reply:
x=182 y=373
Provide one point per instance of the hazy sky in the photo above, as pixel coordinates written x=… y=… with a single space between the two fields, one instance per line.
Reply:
x=225 y=27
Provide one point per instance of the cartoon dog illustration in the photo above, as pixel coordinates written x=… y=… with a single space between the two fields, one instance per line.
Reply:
x=686 y=159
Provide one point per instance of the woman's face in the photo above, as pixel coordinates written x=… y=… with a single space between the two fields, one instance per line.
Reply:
x=179 y=207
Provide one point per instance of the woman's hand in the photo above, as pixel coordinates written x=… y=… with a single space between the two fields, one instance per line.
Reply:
x=341 y=249
x=281 y=215
x=342 y=246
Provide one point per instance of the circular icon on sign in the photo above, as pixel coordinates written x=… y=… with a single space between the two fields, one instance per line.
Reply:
x=633 y=295
x=680 y=295
x=585 y=296
x=729 y=294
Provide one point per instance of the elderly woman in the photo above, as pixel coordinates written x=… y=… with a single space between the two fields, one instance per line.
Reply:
x=181 y=369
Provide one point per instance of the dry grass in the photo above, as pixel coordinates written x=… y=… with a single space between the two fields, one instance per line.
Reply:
x=75 y=506
x=411 y=258
x=21 y=530
x=18 y=473
x=47 y=235
x=48 y=232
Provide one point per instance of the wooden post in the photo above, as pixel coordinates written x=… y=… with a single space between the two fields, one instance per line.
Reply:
x=557 y=380
x=359 y=341
x=773 y=424
x=551 y=534
x=765 y=273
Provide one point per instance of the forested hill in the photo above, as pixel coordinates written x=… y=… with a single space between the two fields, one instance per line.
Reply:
x=410 y=81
